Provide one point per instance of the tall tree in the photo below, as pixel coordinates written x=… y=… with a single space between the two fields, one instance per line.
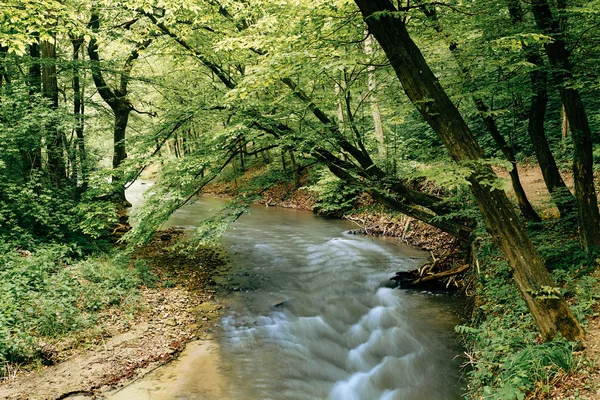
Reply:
x=555 y=184
x=54 y=138
x=375 y=112
x=79 y=111
x=552 y=316
x=118 y=101
x=583 y=173
x=490 y=123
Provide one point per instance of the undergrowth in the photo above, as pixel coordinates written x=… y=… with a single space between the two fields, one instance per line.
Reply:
x=506 y=360
x=52 y=293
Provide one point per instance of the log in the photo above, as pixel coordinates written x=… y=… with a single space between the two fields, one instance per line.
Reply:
x=416 y=279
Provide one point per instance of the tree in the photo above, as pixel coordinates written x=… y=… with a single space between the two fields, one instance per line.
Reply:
x=56 y=162
x=583 y=173
x=118 y=101
x=552 y=316
x=557 y=188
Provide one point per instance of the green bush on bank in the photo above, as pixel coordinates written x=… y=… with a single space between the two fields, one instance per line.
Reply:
x=48 y=293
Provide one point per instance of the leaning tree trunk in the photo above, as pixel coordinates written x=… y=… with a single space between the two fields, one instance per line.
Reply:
x=583 y=174
x=552 y=315
x=524 y=205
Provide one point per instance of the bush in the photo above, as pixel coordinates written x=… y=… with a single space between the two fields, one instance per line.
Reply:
x=335 y=198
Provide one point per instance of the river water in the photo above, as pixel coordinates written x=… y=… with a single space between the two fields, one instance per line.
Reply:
x=310 y=315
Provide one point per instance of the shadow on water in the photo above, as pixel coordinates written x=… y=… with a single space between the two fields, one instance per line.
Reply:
x=310 y=316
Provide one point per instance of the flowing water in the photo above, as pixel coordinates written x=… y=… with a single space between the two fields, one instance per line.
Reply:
x=310 y=316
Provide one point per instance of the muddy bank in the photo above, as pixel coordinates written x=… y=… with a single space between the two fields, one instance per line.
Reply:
x=178 y=377
x=182 y=307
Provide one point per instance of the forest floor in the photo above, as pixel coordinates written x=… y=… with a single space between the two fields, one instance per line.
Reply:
x=171 y=316
x=584 y=382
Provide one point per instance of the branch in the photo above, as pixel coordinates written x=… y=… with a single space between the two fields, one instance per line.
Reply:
x=150 y=113
x=178 y=125
x=128 y=66
x=353 y=124
x=103 y=89
x=217 y=70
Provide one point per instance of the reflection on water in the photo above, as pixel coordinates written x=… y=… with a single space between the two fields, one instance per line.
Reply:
x=311 y=318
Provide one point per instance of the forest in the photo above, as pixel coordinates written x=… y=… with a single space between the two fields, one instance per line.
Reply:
x=475 y=123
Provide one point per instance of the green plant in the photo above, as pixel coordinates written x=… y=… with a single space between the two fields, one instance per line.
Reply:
x=148 y=278
x=48 y=293
x=334 y=197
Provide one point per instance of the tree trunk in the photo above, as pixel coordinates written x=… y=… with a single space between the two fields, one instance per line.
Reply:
x=283 y=162
x=34 y=73
x=377 y=122
x=54 y=140
x=4 y=75
x=117 y=100
x=565 y=122
x=79 y=113
x=119 y=154
x=552 y=316
x=294 y=169
x=583 y=174
x=524 y=205
x=32 y=156
x=522 y=201
x=560 y=193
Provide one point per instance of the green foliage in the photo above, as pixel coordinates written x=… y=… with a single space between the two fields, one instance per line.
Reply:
x=506 y=359
x=334 y=197
x=148 y=278
x=49 y=294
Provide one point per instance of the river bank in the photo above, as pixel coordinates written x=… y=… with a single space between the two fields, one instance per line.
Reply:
x=176 y=305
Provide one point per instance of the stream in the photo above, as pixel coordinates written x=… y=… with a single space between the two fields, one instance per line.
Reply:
x=310 y=316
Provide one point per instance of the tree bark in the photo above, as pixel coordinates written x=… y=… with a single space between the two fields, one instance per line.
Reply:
x=552 y=316
x=525 y=206
x=119 y=103
x=294 y=166
x=32 y=155
x=54 y=140
x=375 y=112
x=4 y=75
x=583 y=174
x=559 y=192
x=79 y=114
